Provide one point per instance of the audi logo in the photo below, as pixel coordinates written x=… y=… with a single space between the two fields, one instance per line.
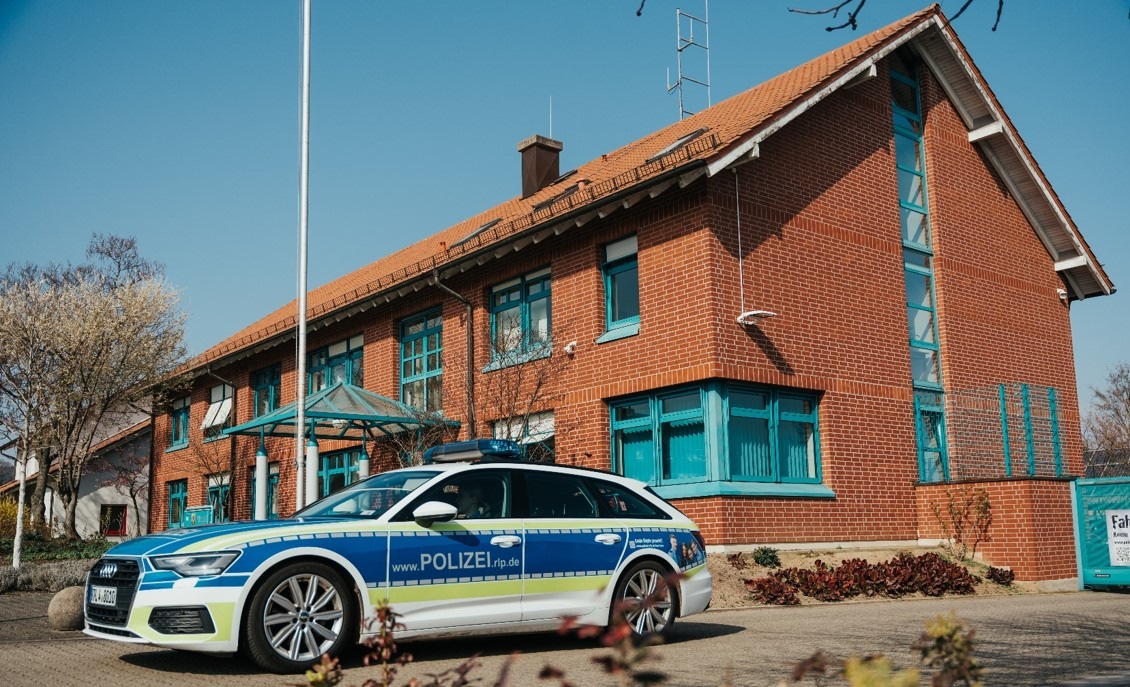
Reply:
x=108 y=570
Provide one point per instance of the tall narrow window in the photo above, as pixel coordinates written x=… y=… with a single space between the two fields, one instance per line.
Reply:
x=339 y=362
x=219 y=487
x=266 y=384
x=421 y=361
x=218 y=416
x=621 y=285
x=520 y=317
x=178 y=499
x=178 y=422
x=918 y=270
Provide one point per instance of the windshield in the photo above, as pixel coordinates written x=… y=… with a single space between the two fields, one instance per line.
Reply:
x=370 y=498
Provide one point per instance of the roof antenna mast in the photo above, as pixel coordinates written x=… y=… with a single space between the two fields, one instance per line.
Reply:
x=698 y=60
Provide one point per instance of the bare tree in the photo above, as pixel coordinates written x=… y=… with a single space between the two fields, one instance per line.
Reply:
x=128 y=474
x=526 y=379
x=213 y=460
x=427 y=429
x=854 y=11
x=80 y=347
x=1106 y=428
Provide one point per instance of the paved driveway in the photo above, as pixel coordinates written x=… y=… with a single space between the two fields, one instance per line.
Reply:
x=1038 y=639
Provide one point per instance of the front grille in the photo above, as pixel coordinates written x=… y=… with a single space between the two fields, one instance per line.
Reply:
x=187 y=620
x=121 y=573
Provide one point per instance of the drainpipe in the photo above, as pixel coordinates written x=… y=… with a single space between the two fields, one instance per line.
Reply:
x=231 y=446
x=472 y=433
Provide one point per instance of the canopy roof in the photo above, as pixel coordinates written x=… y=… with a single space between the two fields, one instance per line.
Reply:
x=343 y=411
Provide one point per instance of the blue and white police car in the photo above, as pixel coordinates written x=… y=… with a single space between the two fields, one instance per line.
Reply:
x=461 y=545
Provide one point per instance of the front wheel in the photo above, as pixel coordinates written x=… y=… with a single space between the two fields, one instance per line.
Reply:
x=298 y=613
x=649 y=605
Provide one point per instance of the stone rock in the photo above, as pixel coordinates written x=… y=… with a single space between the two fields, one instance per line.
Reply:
x=65 y=610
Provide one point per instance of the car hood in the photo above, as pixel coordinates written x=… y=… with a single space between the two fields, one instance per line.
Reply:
x=189 y=538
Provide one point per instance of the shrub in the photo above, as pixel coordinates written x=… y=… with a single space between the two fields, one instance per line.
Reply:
x=965 y=519
x=766 y=557
x=736 y=560
x=8 y=509
x=44 y=576
x=772 y=590
x=1002 y=576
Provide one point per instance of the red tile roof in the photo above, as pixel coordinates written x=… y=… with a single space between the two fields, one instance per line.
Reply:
x=728 y=124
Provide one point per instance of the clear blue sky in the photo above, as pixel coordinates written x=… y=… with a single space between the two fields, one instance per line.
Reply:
x=177 y=122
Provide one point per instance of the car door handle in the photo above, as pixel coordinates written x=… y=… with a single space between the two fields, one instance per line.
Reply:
x=608 y=538
x=506 y=540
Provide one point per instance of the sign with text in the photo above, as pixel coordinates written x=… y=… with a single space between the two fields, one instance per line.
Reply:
x=1118 y=536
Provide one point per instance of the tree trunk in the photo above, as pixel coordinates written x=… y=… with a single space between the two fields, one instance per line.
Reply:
x=70 y=501
x=36 y=508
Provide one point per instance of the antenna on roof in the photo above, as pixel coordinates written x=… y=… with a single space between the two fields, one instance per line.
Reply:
x=687 y=23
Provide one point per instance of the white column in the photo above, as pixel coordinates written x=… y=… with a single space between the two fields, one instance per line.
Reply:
x=261 y=479
x=363 y=464
x=312 y=463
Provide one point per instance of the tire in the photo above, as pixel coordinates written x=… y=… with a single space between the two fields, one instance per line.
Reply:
x=298 y=613
x=657 y=616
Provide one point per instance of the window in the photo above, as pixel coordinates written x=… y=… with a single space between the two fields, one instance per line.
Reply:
x=178 y=422
x=918 y=271
x=338 y=471
x=552 y=495
x=178 y=499
x=421 y=361
x=272 y=491
x=520 y=318
x=341 y=362
x=476 y=495
x=679 y=143
x=535 y=434
x=112 y=520
x=219 y=488
x=266 y=385
x=621 y=289
x=219 y=412
x=755 y=439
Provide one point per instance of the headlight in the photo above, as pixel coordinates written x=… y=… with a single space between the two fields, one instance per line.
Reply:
x=195 y=564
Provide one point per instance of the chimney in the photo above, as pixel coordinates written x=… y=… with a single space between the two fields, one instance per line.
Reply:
x=539 y=163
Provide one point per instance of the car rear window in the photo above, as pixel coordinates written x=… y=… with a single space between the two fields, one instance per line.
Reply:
x=622 y=502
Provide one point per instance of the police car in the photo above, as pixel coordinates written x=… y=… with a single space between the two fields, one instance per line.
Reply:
x=466 y=543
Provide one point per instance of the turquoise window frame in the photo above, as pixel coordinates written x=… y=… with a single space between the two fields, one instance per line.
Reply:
x=522 y=293
x=218 y=500
x=179 y=416
x=715 y=411
x=272 y=491
x=322 y=363
x=178 y=495
x=266 y=386
x=346 y=463
x=417 y=351
x=929 y=415
x=611 y=271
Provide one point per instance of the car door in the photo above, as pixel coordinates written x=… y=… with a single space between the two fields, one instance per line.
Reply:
x=571 y=551
x=461 y=573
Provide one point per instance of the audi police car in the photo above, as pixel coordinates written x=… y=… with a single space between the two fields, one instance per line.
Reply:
x=466 y=543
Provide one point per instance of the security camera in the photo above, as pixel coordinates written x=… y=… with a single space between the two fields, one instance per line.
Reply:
x=570 y=348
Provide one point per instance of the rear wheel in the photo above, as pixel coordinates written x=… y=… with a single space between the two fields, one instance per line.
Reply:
x=648 y=603
x=298 y=613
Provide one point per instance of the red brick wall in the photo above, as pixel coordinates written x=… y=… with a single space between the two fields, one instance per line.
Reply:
x=821 y=247
x=1031 y=532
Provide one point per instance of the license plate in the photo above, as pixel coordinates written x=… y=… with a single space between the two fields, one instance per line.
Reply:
x=104 y=596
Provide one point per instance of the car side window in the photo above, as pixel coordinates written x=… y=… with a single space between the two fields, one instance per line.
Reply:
x=553 y=495
x=621 y=502
x=476 y=495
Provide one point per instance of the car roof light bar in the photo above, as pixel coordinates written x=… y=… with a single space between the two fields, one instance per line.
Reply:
x=473 y=450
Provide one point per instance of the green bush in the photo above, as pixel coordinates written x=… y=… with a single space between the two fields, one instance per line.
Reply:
x=766 y=557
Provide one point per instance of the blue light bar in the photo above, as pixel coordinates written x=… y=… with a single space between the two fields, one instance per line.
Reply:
x=475 y=449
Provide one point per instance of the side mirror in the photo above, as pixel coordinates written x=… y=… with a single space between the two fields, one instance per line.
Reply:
x=432 y=512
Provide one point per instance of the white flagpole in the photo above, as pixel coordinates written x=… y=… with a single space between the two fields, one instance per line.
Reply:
x=303 y=229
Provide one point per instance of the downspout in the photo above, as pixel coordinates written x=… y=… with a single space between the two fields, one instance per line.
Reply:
x=231 y=446
x=152 y=457
x=472 y=433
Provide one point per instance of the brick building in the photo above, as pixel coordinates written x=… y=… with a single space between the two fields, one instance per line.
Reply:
x=785 y=312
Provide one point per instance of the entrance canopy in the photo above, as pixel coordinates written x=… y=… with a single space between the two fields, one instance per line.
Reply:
x=344 y=411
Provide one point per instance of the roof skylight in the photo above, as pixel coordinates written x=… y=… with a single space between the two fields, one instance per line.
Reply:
x=678 y=144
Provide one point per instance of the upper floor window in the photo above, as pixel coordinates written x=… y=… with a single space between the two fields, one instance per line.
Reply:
x=178 y=422
x=421 y=361
x=520 y=316
x=219 y=412
x=685 y=439
x=266 y=385
x=178 y=499
x=621 y=285
x=339 y=362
